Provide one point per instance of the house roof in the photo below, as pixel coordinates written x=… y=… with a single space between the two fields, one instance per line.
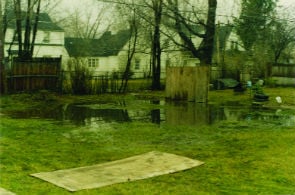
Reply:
x=106 y=45
x=223 y=32
x=44 y=23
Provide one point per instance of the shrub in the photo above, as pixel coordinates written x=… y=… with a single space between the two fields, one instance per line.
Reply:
x=80 y=78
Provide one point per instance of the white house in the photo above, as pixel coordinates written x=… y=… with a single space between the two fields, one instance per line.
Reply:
x=49 y=40
x=106 y=55
x=98 y=55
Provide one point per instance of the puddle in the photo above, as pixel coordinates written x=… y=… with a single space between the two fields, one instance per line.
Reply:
x=174 y=113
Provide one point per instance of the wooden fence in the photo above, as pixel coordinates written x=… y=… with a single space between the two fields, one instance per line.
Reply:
x=283 y=70
x=36 y=74
x=187 y=83
x=283 y=74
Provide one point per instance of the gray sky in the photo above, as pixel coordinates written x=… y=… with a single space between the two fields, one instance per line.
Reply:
x=226 y=8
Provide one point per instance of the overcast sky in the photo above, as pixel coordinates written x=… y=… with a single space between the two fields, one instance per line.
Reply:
x=226 y=10
x=225 y=7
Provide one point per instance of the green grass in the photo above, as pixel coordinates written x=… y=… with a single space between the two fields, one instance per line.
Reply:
x=250 y=157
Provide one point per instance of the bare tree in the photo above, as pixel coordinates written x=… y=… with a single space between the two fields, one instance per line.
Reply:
x=276 y=43
x=132 y=42
x=189 y=25
x=281 y=35
x=89 y=24
x=150 y=15
x=127 y=11
x=25 y=44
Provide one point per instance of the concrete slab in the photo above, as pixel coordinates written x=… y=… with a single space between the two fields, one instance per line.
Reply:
x=5 y=192
x=138 y=167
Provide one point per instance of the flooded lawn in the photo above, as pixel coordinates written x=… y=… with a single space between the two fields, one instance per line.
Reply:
x=157 y=111
x=247 y=148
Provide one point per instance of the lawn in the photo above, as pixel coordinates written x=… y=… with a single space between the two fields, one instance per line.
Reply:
x=241 y=157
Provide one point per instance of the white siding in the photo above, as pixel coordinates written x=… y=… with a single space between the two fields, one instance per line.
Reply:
x=55 y=38
x=9 y=35
x=54 y=47
x=105 y=64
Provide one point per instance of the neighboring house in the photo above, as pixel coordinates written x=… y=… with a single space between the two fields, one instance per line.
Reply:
x=234 y=42
x=108 y=53
x=224 y=40
x=49 y=40
x=105 y=55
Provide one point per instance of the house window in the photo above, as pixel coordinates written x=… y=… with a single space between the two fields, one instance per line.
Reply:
x=93 y=62
x=137 y=64
x=46 y=37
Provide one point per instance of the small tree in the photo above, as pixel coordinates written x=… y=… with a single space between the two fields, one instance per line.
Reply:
x=132 y=42
x=80 y=77
x=188 y=25
x=89 y=24
x=280 y=37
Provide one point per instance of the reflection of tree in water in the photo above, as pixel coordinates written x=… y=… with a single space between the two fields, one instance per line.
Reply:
x=187 y=113
x=156 y=116
x=79 y=114
x=174 y=113
x=216 y=113
x=156 y=113
x=44 y=112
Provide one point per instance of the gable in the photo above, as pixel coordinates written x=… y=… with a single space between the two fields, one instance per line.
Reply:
x=222 y=34
x=106 y=45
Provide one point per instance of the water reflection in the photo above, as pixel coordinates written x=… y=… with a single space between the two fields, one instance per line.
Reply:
x=81 y=115
x=187 y=113
x=170 y=112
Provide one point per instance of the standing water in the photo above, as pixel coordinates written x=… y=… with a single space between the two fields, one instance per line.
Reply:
x=159 y=112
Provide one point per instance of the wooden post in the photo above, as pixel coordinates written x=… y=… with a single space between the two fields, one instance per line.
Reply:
x=187 y=83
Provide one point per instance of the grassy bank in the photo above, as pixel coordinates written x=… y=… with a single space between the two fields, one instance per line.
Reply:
x=250 y=157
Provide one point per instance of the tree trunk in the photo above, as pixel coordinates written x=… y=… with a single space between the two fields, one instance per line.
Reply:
x=2 y=68
x=208 y=41
x=204 y=51
x=17 y=6
x=26 y=53
x=179 y=23
x=35 y=28
x=130 y=55
x=156 y=47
